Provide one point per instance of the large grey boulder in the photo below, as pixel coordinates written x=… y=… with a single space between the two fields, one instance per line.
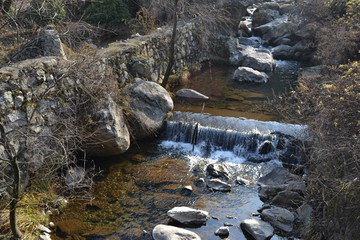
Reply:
x=191 y=94
x=265 y=13
x=112 y=135
x=148 y=107
x=166 y=232
x=279 y=217
x=257 y=229
x=188 y=215
x=246 y=74
x=257 y=58
x=274 y=29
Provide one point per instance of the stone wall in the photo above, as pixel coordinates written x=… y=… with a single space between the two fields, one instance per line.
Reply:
x=146 y=56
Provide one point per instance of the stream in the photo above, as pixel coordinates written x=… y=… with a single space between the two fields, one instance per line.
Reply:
x=137 y=189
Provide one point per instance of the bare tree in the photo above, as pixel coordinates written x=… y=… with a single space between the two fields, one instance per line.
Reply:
x=208 y=14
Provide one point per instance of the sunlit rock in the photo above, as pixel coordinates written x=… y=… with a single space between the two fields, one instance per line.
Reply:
x=257 y=229
x=218 y=185
x=188 y=215
x=191 y=94
x=249 y=75
x=279 y=217
x=165 y=232
x=148 y=107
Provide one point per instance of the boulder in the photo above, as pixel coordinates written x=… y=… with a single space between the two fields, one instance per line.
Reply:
x=190 y=94
x=257 y=229
x=266 y=13
x=112 y=135
x=242 y=181
x=186 y=215
x=274 y=29
x=284 y=52
x=278 y=176
x=46 y=43
x=218 y=185
x=148 y=107
x=279 y=218
x=245 y=28
x=258 y=59
x=246 y=74
x=165 y=232
x=222 y=232
x=288 y=199
x=217 y=170
x=267 y=192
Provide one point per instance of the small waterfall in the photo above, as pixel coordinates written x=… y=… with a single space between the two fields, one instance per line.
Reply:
x=229 y=139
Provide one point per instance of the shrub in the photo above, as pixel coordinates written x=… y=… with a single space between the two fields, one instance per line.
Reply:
x=107 y=12
x=43 y=12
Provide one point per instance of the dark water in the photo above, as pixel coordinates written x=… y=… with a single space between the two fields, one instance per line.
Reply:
x=139 y=187
x=232 y=99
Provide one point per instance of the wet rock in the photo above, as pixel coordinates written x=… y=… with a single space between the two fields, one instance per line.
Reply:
x=165 y=232
x=245 y=28
x=304 y=213
x=266 y=147
x=288 y=199
x=217 y=170
x=112 y=135
x=187 y=191
x=246 y=74
x=242 y=181
x=149 y=105
x=257 y=229
x=74 y=176
x=222 y=232
x=279 y=218
x=218 y=185
x=191 y=94
x=188 y=215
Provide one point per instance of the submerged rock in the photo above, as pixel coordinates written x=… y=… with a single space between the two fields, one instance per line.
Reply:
x=257 y=229
x=191 y=94
x=279 y=218
x=165 y=232
x=188 y=215
x=246 y=74
x=149 y=105
x=218 y=185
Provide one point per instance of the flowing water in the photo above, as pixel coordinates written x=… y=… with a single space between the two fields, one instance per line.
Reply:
x=139 y=187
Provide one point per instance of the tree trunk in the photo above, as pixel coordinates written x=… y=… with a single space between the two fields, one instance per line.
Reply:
x=15 y=199
x=172 y=47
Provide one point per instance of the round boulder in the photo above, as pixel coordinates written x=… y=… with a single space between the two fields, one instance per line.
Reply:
x=188 y=215
x=249 y=75
x=148 y=107
x=165 y=232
